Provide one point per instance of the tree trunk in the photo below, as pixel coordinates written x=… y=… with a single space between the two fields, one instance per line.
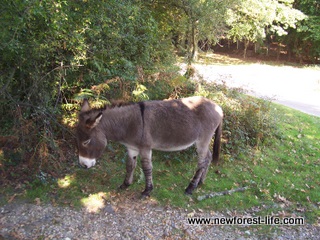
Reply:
x=194 y=44
x=278 y=51
x=246 y=44
x=257 y=47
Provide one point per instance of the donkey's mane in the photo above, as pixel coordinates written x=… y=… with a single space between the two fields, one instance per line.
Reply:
x=119 y=103
x=114 y=104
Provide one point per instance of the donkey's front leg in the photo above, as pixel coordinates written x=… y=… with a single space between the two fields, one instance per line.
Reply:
x=147 y=170
x=130 y=166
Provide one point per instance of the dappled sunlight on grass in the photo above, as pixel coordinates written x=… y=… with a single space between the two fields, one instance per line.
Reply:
x=66 y=181
x=95 y=202
x=219 y=59
x=234 y=59
x=310 y=137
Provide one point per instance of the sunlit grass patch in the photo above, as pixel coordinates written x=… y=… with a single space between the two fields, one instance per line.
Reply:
x=220 y=59
x=66 y=181
x=95 y=202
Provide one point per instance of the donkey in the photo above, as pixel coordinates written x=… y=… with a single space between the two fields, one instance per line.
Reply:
x=169 y=125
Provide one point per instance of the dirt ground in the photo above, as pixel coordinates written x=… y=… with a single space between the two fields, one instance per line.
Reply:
x=131 y=218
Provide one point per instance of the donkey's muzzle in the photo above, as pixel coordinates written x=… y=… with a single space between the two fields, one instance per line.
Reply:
x=87 y=162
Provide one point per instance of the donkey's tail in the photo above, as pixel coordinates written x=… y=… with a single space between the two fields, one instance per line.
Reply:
x=217 y=144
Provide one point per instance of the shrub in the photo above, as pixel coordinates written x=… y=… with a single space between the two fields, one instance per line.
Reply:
x=56 y=52
x=248 y=122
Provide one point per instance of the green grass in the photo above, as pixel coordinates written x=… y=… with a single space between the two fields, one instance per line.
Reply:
x=283 y=176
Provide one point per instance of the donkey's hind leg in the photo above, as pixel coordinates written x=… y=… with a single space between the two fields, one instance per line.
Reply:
x=203 y=165
x=204 y=174
x=146 y=163
x=130 y=166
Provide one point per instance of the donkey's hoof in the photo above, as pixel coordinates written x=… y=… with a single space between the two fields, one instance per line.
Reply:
x=147 y=191
x=190 y=189
x=124 y=186
x=145 y=194
x=188 y=192
x=201 y=182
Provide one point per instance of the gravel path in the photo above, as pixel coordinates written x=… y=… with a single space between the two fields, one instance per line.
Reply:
x=130 y=219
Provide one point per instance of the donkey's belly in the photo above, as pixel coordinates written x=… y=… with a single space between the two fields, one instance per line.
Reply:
x=171 y=148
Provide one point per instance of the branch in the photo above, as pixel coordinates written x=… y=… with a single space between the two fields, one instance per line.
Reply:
x=227 y=192
x=45 y=113
x=8 y=81
x=59 y=68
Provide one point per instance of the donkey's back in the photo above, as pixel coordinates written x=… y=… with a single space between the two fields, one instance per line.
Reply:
x=174 y=125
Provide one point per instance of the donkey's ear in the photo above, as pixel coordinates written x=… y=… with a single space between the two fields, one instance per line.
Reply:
x=91 y=123
x=85 y=106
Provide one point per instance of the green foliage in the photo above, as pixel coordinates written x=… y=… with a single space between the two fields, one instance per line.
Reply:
x=139 y=93
x=306 y=40
x=248 y=121
x=191 y=20
x=55 y=53
x=253 y=20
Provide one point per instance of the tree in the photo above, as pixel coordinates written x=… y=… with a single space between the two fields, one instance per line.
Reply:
x=200 y=19
x=306 y=39
x=252 y=20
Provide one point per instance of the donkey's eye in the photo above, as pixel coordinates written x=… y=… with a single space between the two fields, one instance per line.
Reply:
x=85 y=143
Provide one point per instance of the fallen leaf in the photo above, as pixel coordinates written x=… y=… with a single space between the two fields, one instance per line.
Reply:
x=38 y=201
x=265 y=191
x=301 y=209
x=281 y=199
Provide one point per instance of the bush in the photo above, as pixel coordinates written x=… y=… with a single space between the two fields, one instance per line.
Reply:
x=248 y=122
x=54 y=53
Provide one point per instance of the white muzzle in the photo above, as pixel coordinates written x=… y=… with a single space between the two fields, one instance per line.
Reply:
x=87 y=162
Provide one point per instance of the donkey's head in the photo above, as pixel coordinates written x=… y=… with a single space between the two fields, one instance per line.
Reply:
x=90 y=138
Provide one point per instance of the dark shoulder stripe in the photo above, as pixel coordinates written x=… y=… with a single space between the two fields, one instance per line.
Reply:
x=142 y=108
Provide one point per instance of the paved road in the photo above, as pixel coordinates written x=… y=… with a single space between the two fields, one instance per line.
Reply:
x=298 y=88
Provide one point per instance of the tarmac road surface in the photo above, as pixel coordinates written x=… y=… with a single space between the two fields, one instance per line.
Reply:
x=298 y=88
